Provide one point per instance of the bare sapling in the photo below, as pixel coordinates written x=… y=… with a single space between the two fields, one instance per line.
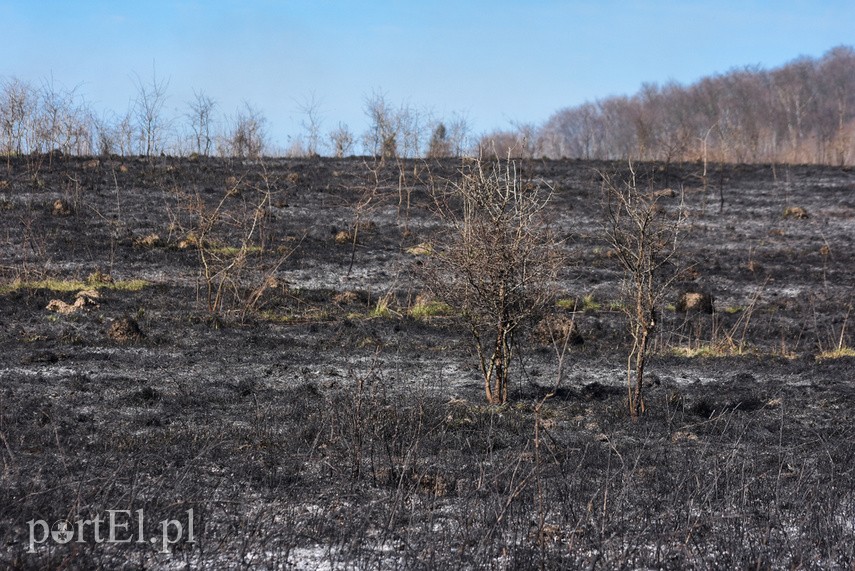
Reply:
x=369 y=199
x=644 y=237
x=235 y=277
x=498 y=264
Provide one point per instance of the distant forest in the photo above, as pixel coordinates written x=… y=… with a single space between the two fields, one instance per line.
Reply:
x=801 y=112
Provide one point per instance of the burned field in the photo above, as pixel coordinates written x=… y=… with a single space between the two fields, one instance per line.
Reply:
x=253 y=341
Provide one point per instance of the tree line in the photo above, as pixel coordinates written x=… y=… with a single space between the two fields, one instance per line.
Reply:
x=47 y=119
x=801 y=112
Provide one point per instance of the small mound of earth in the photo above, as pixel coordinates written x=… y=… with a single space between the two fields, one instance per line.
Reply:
x=796 y=212
x=61 y=208
x=39 y=357
x=739 y=393
x=599 y=391
x=343 y=237
x=695 y=301
x=347 y=298
x=124 y=330
x=557 y=328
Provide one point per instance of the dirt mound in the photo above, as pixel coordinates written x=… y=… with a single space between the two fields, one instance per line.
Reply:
x=695 y=301
x=796 y=212
x=741 y=393
x=124 y=330
x=61 y=208
x=596 y=391
x=557 y=328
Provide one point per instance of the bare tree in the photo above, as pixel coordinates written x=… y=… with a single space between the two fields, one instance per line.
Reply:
x=342 y=141
x=380 y=140
x=800 y=112
x=409 y=130
x=201 y=116
x=570 y=133
x=644 y=240
x=148 y=112
x=312 y=120
x=793 y=86
x=439 y=145
x=53 y=106
x=837 y=71
x=458 y=135
x=499 y=264
x=106 y=137
x=520 y=142
x=125 y=133
x=248 y=138
x=18 y=101
x=502 y=144
x=527 y=134
x=114 y=134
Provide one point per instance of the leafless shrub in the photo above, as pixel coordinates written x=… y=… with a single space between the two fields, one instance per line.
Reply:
x=200 y=115
x=248 y=138
x=521 y=142
x=236 y=261
x=439 y=145
x=498 y=265
x=114 y=134
x=448 y=138
x=370 y=198
x=148 y=112
x=645 y=240
x=310 y=108
x=380 y=140
x=393 y=132
x=64 y=123
x=17 y=104
x=342 y=141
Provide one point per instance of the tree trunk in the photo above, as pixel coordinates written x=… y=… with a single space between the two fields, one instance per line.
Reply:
x=640 y=358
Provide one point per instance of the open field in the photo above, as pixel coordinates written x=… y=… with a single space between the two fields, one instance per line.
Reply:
x=254 y=345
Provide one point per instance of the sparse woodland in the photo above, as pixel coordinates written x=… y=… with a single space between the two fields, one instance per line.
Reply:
x=803 y=112
x=800 y=113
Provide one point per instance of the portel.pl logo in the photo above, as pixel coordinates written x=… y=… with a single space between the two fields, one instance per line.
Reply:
x=121 y=527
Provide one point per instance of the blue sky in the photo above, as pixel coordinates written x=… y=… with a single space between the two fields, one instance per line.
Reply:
x=495 y=62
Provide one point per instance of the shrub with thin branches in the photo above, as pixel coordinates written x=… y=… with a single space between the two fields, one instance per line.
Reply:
x=498 y=265
x=645 y=241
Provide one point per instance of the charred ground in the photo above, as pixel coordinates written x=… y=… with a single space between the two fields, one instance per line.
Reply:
x=318 y=417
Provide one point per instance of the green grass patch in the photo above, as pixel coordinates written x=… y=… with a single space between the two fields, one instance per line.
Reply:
x=232 y=251
x=590 y=304
x=586 y=303
x=273 y=317
x=838 y=353
x=383 y=308
x=423 y=249
x=710 y=350
x=428 y=309
x=57 y=285
x=126 y=285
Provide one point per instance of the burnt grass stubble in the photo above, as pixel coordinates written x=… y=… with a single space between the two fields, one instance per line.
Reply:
x=310 y=433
